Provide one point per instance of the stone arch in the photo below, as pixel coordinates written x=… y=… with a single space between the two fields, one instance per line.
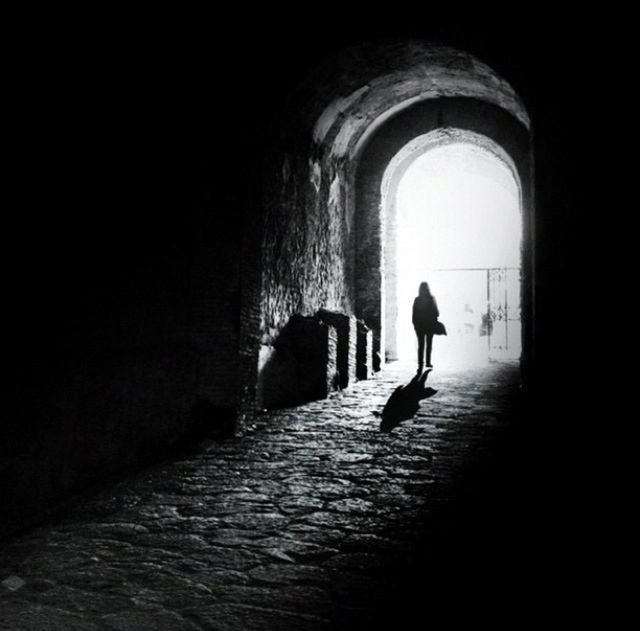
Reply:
x=392 y=177
x=321 y=230
x=399 y=138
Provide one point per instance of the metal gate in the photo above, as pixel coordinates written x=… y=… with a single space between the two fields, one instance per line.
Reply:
x=503 y=312
x=498 y=319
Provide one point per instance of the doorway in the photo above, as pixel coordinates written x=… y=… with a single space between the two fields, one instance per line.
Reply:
x=459 y=227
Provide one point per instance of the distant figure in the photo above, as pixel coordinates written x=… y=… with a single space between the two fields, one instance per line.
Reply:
x=469 y=315
x=425 y=316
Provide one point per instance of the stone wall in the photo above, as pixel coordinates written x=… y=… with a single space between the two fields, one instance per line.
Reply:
x=307 y=257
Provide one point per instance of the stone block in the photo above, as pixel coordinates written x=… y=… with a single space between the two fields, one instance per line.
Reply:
x=346 y=329
x=300 y=365
x=364 y=352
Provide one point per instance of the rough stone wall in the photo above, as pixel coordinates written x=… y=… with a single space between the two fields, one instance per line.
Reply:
x=390 y=280
x=307 y=242
x=250 y=303
x=215 y=300
x=370 y=255
x=308 y=245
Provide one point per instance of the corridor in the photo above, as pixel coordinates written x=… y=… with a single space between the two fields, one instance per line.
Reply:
x=312 y=519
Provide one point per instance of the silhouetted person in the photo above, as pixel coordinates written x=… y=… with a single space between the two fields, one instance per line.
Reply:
x=425 y=316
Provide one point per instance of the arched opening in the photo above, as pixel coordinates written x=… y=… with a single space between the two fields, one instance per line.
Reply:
x=456 y=199
x=390 y=163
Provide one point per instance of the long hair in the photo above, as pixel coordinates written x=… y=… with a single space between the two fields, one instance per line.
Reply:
x=424 y=291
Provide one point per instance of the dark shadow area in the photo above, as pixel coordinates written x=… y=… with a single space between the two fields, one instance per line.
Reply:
x=301 y=365
x=205 y=424
x=208 y=422
x=140 y=183
x=404 y=402
x=475 y=550
x=313 y=356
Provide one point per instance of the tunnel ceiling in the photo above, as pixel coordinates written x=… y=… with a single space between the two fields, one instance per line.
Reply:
x=438 y=138
x=348 y=97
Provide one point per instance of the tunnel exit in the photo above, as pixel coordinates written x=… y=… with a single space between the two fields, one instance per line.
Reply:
x=459 y=228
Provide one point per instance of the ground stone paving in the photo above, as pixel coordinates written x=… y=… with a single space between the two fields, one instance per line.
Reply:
x=298 y=524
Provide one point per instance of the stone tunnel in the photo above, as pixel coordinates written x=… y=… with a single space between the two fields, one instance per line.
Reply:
x=193 y=440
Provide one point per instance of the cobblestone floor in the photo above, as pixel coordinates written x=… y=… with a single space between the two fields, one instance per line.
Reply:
x=314 y=519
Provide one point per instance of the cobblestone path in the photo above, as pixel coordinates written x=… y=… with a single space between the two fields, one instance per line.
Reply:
x=314 y=519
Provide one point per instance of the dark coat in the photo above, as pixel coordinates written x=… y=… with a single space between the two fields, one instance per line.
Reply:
x=425 y=314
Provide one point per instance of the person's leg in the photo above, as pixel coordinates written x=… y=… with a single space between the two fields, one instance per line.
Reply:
x=420 y=349
x=429 y=346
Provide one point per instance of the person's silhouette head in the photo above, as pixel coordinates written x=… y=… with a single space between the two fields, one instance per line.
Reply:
x=424 y=291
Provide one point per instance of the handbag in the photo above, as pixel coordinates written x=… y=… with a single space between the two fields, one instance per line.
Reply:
x=438 y=328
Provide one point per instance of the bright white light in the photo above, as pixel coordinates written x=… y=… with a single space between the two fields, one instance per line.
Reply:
x=459 y=207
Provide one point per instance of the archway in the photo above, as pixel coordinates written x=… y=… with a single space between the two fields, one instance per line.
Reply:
x=385 y=158
x=455 y=200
